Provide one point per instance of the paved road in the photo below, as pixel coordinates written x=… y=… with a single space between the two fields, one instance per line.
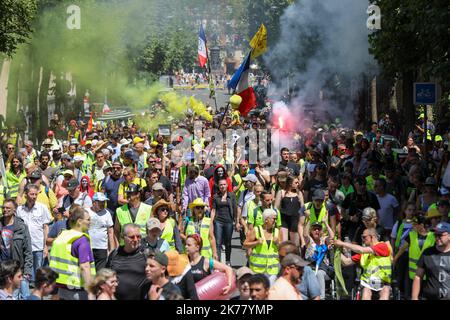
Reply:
x=238 y=258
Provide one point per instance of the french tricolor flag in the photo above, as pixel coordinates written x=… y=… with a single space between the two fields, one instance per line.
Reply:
x=239 y=83
x=202 y=54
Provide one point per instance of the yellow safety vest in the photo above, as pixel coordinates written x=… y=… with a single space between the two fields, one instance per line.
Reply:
x=376 y=266
x=2 y=198
x=124 y=217
x=415 y=252
x=238 y=179
x=14 y=182
x=264 y=257
x=204 y=234
x=167 y=233
x=313 y=217
x=256 y=217
x=66 y=265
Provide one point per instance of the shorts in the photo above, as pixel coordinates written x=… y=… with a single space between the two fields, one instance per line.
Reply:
x=289 y=222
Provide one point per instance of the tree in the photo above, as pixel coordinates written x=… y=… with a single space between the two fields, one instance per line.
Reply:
x=16 y=18
x=413 y=44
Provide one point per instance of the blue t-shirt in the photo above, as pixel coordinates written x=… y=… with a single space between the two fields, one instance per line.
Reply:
x=309 y=287
x=7 y=234
x=111 y=187
x=57 y=227
x=33 y=297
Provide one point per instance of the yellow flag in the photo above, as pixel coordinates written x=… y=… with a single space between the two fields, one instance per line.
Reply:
x=259 y=42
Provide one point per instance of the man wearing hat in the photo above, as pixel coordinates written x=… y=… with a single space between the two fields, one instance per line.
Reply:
x=46 y=196
x=434 y=264
x=134 y=211
x=157 y=273
x=74 y=196
x=201 y=225
x=47 y=145
x=285 y=287
x=141 y=155
x=153 y=241
x=96 y=173
x=101 y=230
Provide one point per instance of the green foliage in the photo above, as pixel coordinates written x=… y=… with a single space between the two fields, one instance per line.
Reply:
x=414 y=37
x=16 y=18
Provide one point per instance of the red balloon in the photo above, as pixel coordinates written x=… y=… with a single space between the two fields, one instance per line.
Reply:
x=211 y=287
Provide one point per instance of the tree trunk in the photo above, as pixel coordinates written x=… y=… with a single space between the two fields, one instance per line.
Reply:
x=373 y=99
x=43 y=107
x=408 y=109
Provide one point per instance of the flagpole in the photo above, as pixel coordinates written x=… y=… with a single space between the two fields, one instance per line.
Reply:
x=208 y=70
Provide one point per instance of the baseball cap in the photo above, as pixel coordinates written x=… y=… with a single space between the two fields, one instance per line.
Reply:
x=50 y=133
x=47 y=142
x=161 y=258
x=293 y=259
x=99 y=196
x=433 y=212
x=242 y=271
x=124 y=141
x=176 y=263
x=68 y=171
x=79 y=158
x=153 y=223
x=73 y=184
x=137 y=140
x=157 y=186
x=74 y=141
x=250 y=177
x=36 y=174
x=319 y=194
x=132 y=188
x=131 y=155
x=442 y=227
x=316 y=224
x=66 y=157
x=430 y=181
x=55 y=148
x=88 y=142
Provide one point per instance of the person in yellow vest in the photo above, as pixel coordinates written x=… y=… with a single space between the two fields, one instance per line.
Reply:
x=375 y=259
x=255 y=217
x=129 y=178
x=264 y=241
x=238 y=183
x=170 y=232
x=199 y=224
x=3 y=191
x=72 y=258
x=14 y=176
x=32 y=154
x=416 y=242
x=312 y=212
x=134 y=211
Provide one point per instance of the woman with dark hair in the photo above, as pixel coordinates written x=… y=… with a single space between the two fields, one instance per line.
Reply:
x=224 y=217
x=289 y=200
x=219 y=173
x=15 y=175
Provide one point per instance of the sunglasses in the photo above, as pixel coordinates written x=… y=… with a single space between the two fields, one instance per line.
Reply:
x=135 y=237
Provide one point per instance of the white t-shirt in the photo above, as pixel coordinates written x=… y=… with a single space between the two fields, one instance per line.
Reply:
x=98 y=230
x=388 y=204
x=35 y=218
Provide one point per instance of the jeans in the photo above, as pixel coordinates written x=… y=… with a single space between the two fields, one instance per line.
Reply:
x=38 y=261
x=223 y=233
x=322 y=277
x=24 y=291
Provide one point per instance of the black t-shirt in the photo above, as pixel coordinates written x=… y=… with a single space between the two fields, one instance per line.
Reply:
x=313 y=185
x=224 y=209
x=130 y=269
x=292 y=167
x=356 y=203
x=437 y=271
x=168 y=290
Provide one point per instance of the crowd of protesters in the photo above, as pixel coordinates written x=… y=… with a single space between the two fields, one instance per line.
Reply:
x=118 y=213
